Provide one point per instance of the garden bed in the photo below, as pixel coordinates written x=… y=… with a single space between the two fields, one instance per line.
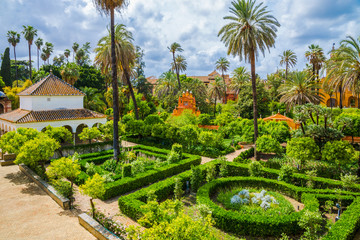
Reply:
x=148 y=175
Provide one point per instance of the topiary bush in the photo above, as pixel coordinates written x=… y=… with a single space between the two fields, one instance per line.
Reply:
x=339 y=152
x=126 y=171
x=268 y=144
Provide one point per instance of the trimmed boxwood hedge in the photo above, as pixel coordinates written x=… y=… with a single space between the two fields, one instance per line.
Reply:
x=245 y=155
x=127 y=184
x=131 y=204
x=348 y=225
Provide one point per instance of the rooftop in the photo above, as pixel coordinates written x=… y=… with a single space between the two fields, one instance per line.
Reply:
x=51 y=86
x=26 y=116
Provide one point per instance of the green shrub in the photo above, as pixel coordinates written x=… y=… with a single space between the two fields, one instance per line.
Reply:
x=178 y=189
x=109 y=165
x=126 y=171
x=90 y=168
x=196 y=178
x=255 y=169
x=339 y=152
x=210 y=173
x=286 y=173
x=173 y=157
x=223 y=169
x=349 y=181
x=204 y=119
x=178 y=148
x=268 y=144
x=302 y=149
x=311 y=222
x=245 y=155
x=63 y=187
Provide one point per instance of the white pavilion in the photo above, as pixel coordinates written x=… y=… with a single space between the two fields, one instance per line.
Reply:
x=51 y=101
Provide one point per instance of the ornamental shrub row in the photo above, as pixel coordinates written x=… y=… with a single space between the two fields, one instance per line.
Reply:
x=348 y=225
x=245 y=155
x=128 y=184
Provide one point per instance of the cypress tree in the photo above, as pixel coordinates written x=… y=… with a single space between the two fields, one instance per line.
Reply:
x=5 y=68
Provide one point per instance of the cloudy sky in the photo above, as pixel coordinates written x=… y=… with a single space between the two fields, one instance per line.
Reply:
x=194 y=24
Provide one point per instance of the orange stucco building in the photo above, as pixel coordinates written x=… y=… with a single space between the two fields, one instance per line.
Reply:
x=186 y=101
x=279 y=118
x=348 y=99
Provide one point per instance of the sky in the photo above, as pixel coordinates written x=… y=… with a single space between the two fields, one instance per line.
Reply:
x=156 y=24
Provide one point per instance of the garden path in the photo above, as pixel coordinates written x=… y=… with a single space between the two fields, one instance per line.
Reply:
x=27 y=212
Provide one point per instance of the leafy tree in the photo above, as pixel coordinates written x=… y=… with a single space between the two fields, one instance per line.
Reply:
x=252 y=29
x=5 y=72
x=90 y=134
x=93 y=99
x=188 y=135
x=64 y=168
x=339 y=152
x=273 y=82
x=349 y=181
x=181 y=64
x=316 y=57
x=94 y=187
x=204 y=119
x=302 y=149
x=60 y=134
x=37 y=151
x=224 y=119
x=210 y=139
x=245 y=100
x=139 y=64
x=11 y=93
x=268 y=144
x=29 y=33
x=143 y=86
x=12 y=142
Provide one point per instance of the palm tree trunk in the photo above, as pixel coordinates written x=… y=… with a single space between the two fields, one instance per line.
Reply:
x=286 y=71
x=115 y=89
x=30 y=60
x=131 y=93
x=225 y=100
x=340 y=101
x=215 y=108
x=16 y=72
x=177 y=71
x=38 y=58
x=253 y=83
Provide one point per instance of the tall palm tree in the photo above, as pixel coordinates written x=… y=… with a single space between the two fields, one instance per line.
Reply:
x=315 y=55
x=67 y=54
x=289 y=59
x=43 y=57
x=166 y=85
x=48 y=50
x=14 y=38
x=29 y=33
x=175 y=47
x=125 y=55
x=252 y=30
x=223 y=65
x=180 y=65
x=93 y=99
x=299 y=89
x=75 y=47
x=343 y=68
x=240 y=76
x=38 y=43
x=108 y=7
x=216 y=91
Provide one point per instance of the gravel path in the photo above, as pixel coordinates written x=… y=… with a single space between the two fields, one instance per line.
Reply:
x=27 y=212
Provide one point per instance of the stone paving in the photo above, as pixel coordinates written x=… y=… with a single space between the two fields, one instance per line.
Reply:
x=27 y=212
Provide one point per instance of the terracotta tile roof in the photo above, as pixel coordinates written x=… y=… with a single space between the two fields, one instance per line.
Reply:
x=51 y=86
x=152 y=80
x=25 y=116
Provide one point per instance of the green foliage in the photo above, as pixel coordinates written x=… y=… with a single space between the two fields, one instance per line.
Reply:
x=126 y=171
x=64 y=168
x=164 y=116
x=349 y=181
x=209 y=139
x=188 y=135
x=94 y=187
x=90 y=134
x=286 y=173
x=151 y=196
x=63 y=187
x=109 y=165
x=5 y=72
x=255 y=169
x=302 y=149
x=210 y=173
x=339 y=152
x=267 y=144
x=90 y=168
x=224 y=119
x=196 y=178
x=90 y=77
x=245 y=155
x=178 y=189
x=223 y=168
x=13 y=141
x=178 y=148
x=186 y=118
x=60 y=134
x=311 y=174
x=311 y=221
x=173 y=157
x=110 y=224
x=37 y=151
x=153 y=119
x=204 y=119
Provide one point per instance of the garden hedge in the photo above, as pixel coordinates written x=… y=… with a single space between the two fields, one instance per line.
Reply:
x=127 y=184
x=131 y=204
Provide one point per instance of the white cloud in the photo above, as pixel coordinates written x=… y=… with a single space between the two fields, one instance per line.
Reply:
x=194 y=24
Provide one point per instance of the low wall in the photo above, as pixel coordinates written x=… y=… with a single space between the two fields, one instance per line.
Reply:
x=50 y=190
x=96 y=228
x=350 y=139
x=82 y=149
x=211 y=127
